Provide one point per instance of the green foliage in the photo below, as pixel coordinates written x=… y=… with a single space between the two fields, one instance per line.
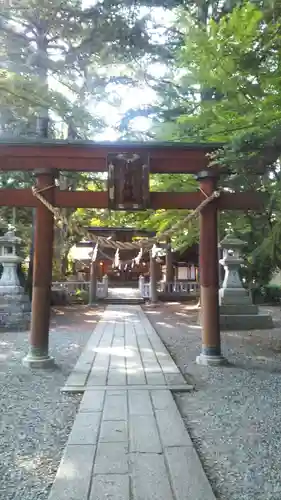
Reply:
x=268 y=294
x=233 y=65
x=238 y=59
x=81 y=297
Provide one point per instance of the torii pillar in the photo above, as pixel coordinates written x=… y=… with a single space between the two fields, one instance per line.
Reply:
x=38 y=354
x=209 y=275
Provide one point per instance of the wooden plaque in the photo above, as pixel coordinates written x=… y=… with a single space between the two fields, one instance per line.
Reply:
x=128 y=181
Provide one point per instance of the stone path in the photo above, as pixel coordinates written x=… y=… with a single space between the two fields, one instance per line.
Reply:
x=123 y=351
x=128 y=441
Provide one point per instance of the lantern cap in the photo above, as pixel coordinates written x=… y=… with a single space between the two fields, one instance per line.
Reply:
x=231 y=242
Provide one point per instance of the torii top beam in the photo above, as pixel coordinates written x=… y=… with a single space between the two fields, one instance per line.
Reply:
x=165 y=157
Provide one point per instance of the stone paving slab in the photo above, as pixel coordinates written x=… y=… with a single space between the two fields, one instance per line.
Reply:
x=92 y=404
x=128 y=441
x=114 y=487
x=112 y=458
x=74 y=473
x=150 y=480
x=143 y=434
x=185 y=471
x=124 y=350
x=115 y=407
x=85 y=429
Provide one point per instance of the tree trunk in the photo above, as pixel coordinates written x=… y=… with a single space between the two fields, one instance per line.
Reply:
x=64 y=263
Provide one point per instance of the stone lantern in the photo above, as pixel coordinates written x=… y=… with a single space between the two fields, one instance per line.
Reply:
x=14 y=302
x=237 y=312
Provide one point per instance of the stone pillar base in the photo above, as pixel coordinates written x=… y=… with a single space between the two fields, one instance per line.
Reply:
x=153 y=301
x=207 y=360
x=14 y=312
x=32 y=360
x=244 y=322
x=93 y=303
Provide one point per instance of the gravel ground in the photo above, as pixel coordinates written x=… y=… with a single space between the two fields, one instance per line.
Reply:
x=234 y=415
x=35 y=418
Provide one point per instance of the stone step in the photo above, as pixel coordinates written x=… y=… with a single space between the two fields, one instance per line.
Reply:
x=246 y=322
x=123 y=300
x=241 y=309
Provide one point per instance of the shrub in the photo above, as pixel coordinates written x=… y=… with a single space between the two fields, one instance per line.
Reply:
x=81 y=296
x=266 y=294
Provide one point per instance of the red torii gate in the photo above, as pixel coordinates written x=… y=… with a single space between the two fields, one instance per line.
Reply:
x=46 y=158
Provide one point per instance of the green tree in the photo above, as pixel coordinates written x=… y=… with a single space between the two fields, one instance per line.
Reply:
x=239 y=58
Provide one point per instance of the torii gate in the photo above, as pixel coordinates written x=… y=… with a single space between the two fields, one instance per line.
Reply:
x=128 y=166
